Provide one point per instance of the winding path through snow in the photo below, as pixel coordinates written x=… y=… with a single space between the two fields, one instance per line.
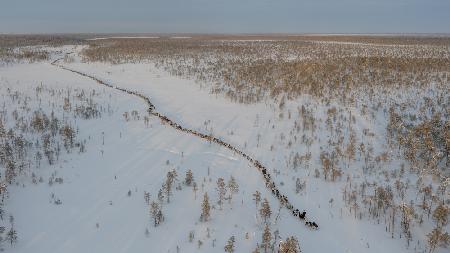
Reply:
x=165 y=120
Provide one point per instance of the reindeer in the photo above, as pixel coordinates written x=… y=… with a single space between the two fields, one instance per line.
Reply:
x=302 y=215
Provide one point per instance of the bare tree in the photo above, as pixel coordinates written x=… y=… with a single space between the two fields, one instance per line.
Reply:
x=156 y=213
x=438 y=238
x=266 y=238
x=11 y=236
x=291 y=245
x=189 y=178
x=205 y=208
x=168 y=185
x=233 y=187
x=221 y=190
x=265 y=211
x=257 y=199
x=229 y=247
x=440 y=215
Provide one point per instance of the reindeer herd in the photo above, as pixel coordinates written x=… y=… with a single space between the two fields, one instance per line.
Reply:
x=270 y=184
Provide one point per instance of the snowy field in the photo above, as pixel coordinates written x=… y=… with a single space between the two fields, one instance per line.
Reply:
x=101 y=206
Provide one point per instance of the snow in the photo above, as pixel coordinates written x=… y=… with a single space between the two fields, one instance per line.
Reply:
x=134 y=158
x=125 y=37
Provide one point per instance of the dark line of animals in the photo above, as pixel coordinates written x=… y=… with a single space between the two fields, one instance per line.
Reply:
x=151 y=110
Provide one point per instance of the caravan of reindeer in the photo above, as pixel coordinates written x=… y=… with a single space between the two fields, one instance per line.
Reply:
x=270 y=184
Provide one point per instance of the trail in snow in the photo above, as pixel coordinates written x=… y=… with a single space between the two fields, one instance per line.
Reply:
x=261 y=168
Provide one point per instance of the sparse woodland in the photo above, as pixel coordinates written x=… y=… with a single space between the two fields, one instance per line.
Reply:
x=249 y=71
x=400 y=84
x=31 y=48
x=36 y=130
x=367 y=118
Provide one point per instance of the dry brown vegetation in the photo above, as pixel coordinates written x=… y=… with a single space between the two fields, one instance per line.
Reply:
x=252 y=68
x=15 y=48
x=391 y=87
x=33 y=133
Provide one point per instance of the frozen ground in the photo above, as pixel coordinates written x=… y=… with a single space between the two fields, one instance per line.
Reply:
x=98 y=214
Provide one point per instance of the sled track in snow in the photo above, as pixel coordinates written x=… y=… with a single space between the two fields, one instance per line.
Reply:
x=261 y=168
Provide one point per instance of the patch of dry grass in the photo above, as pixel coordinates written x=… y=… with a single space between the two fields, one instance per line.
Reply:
x=249 y=69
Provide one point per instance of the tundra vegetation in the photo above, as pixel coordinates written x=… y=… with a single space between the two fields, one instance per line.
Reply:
x=36 y=130
x=366 y=116
x=402 y=83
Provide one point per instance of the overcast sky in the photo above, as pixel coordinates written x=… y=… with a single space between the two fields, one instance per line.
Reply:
x=225 y=16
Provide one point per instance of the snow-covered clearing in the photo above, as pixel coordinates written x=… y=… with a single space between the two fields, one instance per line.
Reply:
x=103 y=207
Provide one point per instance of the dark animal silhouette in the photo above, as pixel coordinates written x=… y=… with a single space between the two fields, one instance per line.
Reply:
x=151 y=110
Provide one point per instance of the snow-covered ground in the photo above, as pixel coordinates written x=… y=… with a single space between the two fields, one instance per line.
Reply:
x=103 y=207
x=125 y=37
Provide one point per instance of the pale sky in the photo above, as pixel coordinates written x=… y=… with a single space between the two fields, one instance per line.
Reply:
x=225 y=16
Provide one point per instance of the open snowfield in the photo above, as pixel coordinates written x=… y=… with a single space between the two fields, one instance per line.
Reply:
x=101 y=205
